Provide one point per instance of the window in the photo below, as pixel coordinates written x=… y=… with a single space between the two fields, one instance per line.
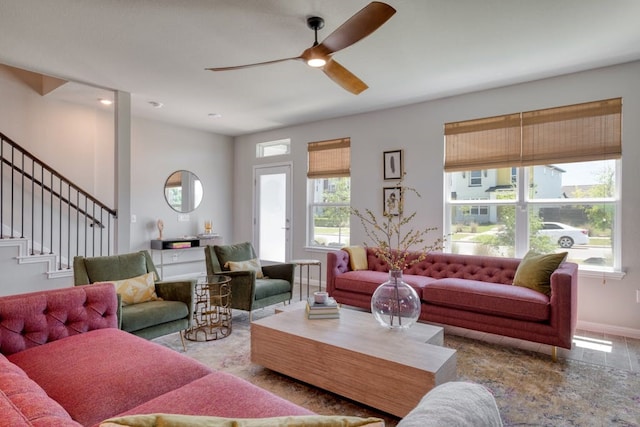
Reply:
x=569 y=159
x=329 y=193
x=475 y=178
x=273 y=148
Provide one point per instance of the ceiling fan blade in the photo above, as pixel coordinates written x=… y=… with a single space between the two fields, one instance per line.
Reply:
x=344 y=77
x=238 y=67
x=359 y=26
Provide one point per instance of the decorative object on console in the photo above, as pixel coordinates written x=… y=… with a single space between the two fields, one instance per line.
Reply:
x=208 y=226
x=396 y=304
x=160 y=224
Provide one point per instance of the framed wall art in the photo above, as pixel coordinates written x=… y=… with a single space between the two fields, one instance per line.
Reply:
x=393 y=167
x=392 y=198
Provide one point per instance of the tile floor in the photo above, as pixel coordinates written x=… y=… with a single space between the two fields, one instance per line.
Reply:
x=592 y=347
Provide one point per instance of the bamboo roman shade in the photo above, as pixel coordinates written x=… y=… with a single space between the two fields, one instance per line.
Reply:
x=574 y=133
x=329 y=159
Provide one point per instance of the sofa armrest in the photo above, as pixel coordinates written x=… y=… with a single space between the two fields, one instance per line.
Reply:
x=283 y=271
x=564 y=302
x=337 y=264
x=178 y=290
x=243 y=288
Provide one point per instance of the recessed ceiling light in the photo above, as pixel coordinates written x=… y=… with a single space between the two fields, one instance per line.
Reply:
x=104 y=101
x=156 y=104
x=215 y=115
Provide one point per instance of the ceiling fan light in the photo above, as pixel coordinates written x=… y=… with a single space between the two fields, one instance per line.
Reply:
x=316 y=62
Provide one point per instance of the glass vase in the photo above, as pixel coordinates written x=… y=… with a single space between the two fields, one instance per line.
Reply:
x=395 y=304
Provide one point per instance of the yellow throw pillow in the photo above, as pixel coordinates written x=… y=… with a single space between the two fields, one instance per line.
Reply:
x=136 y=289
x=534 y=271
x=175 y=420
x=252 y=264
x=357 y=257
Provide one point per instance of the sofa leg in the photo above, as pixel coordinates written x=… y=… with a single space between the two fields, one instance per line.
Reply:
x=184 y=345
x=554 y=353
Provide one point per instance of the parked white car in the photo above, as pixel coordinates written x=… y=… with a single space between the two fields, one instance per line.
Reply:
x=564 y=234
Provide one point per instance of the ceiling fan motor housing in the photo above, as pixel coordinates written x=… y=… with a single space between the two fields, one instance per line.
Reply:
x=315 y=23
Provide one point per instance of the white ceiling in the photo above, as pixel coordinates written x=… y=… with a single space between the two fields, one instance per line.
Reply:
x=157 y=50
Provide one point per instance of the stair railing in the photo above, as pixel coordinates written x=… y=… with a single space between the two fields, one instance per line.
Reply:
x=54 y=214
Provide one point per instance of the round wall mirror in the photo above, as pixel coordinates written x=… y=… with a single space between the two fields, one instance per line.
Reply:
x=183 y=191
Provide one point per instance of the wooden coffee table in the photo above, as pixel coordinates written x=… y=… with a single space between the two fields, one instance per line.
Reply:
x=355 y=357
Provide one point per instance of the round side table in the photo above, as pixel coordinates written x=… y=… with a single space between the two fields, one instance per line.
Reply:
x=212 y=309
x=308 y=262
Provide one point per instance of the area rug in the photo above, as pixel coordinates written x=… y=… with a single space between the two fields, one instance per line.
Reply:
x=530 y=389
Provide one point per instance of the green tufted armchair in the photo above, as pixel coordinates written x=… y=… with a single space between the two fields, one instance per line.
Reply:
x=147 y=319
x=247 y=292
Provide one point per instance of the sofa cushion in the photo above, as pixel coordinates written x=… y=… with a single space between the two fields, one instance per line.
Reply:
x=135 y=290
x=175 y=420
x=251 y=265
x=101 y=373
x=357 y=257
x=152 y=313
x=366 y=281
x=238 y=252
x=115 y=267
x=222 y=394
x=266 y=288
x=456 y=403
x=490 y=298
x=535 y=270
x=24 y=403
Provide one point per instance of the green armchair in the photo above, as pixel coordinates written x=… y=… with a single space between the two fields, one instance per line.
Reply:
x=249 y=293
x=151 y=319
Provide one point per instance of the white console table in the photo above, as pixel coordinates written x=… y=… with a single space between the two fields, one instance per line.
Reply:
x=189 y=243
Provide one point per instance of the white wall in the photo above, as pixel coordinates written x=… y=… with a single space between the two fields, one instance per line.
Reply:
x=418 y=130
x=78 y=141
x=158 y=150
x=70 y=138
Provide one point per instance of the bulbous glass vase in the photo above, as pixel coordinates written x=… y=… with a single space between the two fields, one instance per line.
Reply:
x=395 y=304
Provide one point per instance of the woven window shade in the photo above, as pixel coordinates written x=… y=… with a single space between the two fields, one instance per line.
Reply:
x=575 y=133
x=488 y=143
x=329 y=159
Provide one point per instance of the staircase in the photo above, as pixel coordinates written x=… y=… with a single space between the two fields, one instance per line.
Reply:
x=46 y=221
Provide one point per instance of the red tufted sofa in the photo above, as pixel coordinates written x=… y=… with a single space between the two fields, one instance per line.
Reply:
x=63 y=362
x=473 y=292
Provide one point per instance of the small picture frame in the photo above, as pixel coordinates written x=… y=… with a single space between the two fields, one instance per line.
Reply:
x=393 y=167
x=392 y=200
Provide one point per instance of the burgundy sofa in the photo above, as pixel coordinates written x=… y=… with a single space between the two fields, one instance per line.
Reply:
x=64 y=362
x=473 y=292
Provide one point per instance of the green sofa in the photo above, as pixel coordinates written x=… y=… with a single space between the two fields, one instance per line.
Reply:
x=249 y=293
x=173 y=313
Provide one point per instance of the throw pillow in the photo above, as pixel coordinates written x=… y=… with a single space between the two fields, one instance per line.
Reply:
x=357 y=257
x=534 y=271
x=136 y=289
x=174 y=420
x=252 y=264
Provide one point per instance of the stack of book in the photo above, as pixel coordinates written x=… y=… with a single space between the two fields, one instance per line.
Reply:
x=327 y=310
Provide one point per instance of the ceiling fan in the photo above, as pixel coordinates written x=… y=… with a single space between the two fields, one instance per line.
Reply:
x=359 y=26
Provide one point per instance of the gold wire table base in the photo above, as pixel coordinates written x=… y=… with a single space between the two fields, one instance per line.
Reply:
x=212 y=310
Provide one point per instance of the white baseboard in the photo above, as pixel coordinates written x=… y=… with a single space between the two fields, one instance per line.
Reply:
x=609 y=329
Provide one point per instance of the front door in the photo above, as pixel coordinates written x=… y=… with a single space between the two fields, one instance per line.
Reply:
x=272 y=230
